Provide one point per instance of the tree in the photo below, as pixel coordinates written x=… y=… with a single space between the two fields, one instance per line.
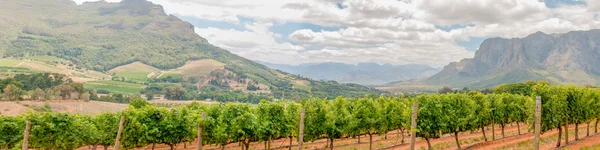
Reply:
x=445 y=90
x=338 y=118
x=215 y=127
x=459 y=115
x=85 y=96
x=143 y=126
x=10 y=81
x=41 y=80
x=175 y=127
x=517 y=109
x=51 y=94
x=107 y=125
x=291 y=120
x=578 y=104
x=12 y=131
x=315 y=112
x=429 y=116
x=93 y=95
x=38 y=94
x=514 y=88
x=244 y=125
x=271 y=118
x=555 y=109
x=60 y=131
x=65 y=91
x=393 y=112
x=500 y=110
x=367 y=111
x=139 y=103
x=482 y=111
x=78 y=87
x=149 y=96
x=12 y=93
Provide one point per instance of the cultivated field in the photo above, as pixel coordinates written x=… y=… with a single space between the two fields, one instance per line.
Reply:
x=136 y=70
x=11 y=108
x=37 y=64
x=194 y=68
x=115 y=86
x=71 y=106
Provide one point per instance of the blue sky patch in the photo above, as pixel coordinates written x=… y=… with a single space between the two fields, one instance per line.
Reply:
x=454 y=26
x=203 y=23
x=556 y=3
x=340 y=5
x=473 y=43
x=285 y=29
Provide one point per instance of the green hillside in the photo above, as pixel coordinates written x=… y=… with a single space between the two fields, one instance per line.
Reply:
x=102 y=36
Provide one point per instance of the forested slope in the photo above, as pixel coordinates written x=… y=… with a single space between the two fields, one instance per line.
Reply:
x=101 y=36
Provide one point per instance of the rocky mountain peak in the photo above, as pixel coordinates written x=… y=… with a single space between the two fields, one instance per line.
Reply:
x=570 y=58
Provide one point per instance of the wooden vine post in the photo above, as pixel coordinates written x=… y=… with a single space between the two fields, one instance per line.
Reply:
x=301 y=130
x=413 y=125
x=538 y=118
x=119 y=132
x=25 y=145
x=200 y=125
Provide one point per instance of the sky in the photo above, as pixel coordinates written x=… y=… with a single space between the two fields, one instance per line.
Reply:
x=431 y=32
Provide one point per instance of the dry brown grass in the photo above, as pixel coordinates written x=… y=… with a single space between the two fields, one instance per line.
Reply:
x=197 y=68
x=134 y=67
x=13 y=109
x=79 y=107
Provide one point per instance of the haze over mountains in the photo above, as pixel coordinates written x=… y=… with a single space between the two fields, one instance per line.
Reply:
x=570 y=58
x=102 y=36
x=362 y=73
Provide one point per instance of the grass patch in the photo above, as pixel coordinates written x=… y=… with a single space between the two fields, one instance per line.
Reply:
x=597 y=146
x=172 y=75
x=197 y=68
x=116 y=83
x=134 y=75
x=545 y=140
x=114 y=89
x=51 y=59
x=135 y=71
x=115 y=86
x=8 y=71
x=301 y=86
x=10 y=62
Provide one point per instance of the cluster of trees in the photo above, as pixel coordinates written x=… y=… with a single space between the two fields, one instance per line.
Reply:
x=564 y=105
x=234 y=96
x=454 y=113
x=53 y=86
x=43 y=86
x=116 y=98
x=188 y=91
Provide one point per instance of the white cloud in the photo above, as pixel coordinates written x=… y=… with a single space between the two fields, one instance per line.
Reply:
x=81 y=1
x=448 y=12
x=383 y=31
x=593 y=5
x=255 y=43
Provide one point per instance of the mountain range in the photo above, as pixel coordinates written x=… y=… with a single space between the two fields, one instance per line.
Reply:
x=569 y=58
x=102 y=36
x=361 y=73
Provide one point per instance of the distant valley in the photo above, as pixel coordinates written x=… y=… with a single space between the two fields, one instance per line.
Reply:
x=362 y=73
